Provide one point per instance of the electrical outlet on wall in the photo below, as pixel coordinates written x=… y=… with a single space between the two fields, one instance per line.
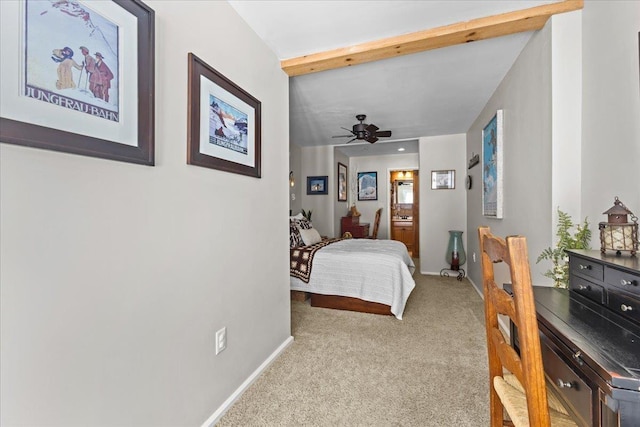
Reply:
x=221 y=340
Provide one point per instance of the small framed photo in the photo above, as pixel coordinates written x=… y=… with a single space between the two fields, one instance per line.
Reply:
x=317 y=185
x=342 y=182
x=443 y=180
x=367 y=185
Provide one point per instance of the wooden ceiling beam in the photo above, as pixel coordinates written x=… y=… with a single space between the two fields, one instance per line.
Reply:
x=463 y=32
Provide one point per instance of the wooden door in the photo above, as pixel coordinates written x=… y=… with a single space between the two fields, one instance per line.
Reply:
x=416 y=213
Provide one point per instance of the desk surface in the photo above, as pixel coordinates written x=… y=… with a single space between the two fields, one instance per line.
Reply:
x=610 y=344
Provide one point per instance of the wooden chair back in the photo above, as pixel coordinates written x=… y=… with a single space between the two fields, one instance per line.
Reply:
x=376 y=224
x=520 y=308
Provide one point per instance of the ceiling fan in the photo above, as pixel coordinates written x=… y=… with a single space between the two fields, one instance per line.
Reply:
x=363 y=131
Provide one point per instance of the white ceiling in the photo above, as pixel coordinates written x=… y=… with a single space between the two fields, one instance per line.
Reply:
x=437 y=92
x=384 y=147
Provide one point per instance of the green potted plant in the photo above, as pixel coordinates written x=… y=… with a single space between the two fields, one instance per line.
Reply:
x=566 y=240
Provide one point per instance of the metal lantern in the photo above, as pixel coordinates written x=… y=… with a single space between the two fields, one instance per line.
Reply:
x=618 y=234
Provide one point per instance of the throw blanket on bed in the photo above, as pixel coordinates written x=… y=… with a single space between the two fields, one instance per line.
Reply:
x=369 y=269
x=302 y=259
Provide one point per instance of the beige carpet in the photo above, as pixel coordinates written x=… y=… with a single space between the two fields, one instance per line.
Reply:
x=356 y=369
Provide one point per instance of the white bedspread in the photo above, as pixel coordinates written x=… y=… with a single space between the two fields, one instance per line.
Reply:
x=373 y=270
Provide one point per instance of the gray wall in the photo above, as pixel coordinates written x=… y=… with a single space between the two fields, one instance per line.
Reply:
x=382 y=165
x=116 y=276
x=339 y=208
x=525 y=97
x=318 y=161
x=441 y=210
x=295 y=192
x=327 y=211
x=611 y=108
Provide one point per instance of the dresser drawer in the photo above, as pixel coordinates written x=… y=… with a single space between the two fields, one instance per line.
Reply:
x=567 y=383
x=625 y=305
x=590 y=290
x=586 y=267
x=622 y=280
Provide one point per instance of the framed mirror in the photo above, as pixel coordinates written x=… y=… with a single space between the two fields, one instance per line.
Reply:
x=403 y=191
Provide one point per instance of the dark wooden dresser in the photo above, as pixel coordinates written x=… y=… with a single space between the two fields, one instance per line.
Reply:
x=353 y=225
x=590 y=338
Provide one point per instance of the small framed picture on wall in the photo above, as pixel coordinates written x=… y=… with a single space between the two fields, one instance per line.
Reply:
x=317 y=185
x=443 y=180
x=342 y=182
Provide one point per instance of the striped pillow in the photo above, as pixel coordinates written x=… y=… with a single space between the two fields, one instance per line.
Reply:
x=303 y=223
x=295 y=239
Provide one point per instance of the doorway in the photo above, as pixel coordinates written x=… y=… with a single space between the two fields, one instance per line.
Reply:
x=405 y=209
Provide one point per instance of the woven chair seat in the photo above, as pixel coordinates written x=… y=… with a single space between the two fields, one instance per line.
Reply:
x=514 y=401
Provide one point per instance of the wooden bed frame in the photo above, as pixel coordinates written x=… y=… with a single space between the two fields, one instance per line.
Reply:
x=342 y=303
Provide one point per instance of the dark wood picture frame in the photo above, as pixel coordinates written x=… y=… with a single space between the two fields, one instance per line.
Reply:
x=493 y=167
x=443 y=179
x=317 y=185
x=342 y=182
x=195 y=154
x=33 y=135
x=369 y=192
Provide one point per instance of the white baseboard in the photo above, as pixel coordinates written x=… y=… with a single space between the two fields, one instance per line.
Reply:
x=478 y=290
x=217 y=415
x=430 y=273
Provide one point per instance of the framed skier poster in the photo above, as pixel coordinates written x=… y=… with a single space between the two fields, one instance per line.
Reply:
x=223 y=130
x=82 y=78
x=492 y=166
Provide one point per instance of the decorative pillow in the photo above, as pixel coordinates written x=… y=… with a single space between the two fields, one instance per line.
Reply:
x=303 y=223
x=299 y=216
x=295 y=239
x=310 y=236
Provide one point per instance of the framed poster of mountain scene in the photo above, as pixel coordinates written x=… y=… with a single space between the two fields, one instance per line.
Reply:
x=367 y=185
x=223 y=122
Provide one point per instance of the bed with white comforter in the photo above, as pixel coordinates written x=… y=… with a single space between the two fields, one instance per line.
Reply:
x=379 y=271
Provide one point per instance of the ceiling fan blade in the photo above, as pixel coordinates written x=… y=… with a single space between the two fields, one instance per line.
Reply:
x=351 y=140
x=371 y=139
x=384 y=133
x=372 y=129
x=342 y=136
x=348 y=130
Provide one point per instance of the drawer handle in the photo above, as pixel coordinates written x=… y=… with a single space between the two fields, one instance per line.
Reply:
x=583 y=287
x=577 y=357
x=585 y=267
x=625 y=282
x=625 y=307
x=563 y=384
